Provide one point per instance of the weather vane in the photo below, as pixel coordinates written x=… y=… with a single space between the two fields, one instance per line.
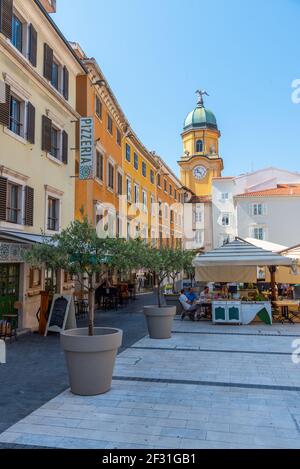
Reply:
x=200 y=94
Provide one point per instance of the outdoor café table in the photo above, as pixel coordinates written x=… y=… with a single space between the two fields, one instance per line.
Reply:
x=284 y=305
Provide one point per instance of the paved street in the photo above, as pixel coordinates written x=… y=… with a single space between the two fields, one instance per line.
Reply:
x=207 y=387
x=35 y=371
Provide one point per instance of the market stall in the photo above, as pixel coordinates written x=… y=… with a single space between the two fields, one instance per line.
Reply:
x=238 y=262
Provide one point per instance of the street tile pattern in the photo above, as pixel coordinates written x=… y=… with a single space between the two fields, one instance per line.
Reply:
x=246 y=400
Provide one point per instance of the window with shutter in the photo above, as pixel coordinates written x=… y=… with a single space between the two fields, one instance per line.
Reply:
x=66 y=83
x=65 y=147
x=46 y=134
x=5 y=108
x=3 y=198
x=48 y=62
x=30 y=123
x=32 y=46
x=29 y=204
x=6 y=14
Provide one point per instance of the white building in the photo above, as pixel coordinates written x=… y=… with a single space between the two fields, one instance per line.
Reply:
x=263 y=205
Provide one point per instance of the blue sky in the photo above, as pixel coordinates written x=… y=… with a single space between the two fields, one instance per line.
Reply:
x=155 y=54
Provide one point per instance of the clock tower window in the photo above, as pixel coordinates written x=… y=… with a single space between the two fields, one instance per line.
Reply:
x=199 y=146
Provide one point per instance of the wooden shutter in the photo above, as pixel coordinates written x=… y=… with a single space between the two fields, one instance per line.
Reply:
x=65 y=147
x=48 y=60
x=29 y=204
x=6 y=13
x=46 y=134
x=31 y=123
x=66 y=83
x=32 y=45
x=4 y=108
x=3 y=198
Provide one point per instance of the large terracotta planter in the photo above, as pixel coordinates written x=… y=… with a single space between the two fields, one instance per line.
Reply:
x=91 y=360
x=159 y=321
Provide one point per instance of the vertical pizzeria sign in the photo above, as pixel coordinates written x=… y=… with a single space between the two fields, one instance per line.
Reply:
x=87 y=148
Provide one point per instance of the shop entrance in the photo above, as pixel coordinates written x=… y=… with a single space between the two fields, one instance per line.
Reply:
x=9 y=287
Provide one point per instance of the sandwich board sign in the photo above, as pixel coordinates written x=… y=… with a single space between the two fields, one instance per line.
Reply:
x=62 y=314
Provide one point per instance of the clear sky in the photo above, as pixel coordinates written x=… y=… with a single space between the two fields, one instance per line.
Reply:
x=155 y=54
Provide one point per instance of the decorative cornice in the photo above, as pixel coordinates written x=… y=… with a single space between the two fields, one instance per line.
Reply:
x=9 y=80
x=4 y=171
x=53 y=190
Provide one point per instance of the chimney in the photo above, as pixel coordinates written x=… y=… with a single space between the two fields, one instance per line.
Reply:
x=49 y=5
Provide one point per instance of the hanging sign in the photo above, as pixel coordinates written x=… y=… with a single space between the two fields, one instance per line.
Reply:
x=87 y=148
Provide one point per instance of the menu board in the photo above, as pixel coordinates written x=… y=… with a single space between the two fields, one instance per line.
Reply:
x=62 y=314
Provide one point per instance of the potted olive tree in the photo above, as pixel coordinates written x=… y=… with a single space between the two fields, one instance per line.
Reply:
x=181 y=261
x=90 y=352
x=161 y=262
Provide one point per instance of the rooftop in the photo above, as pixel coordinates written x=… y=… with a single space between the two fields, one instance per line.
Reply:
x=282 y=190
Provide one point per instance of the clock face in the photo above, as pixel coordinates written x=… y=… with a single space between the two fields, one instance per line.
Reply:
x=200 y=172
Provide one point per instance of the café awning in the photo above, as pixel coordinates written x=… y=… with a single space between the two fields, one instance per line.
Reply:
x=236 y=262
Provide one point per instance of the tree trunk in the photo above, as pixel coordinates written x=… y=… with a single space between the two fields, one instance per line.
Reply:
x=91 y=304
x=272 y=270
x=158 y=293
x=174 y=284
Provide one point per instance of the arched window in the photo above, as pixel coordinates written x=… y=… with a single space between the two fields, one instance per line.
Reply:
x=199 y=146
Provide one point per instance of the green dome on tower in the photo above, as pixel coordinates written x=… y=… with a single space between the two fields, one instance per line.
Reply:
x=200 y=117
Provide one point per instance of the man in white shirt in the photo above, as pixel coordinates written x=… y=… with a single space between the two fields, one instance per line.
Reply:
x=188 y=309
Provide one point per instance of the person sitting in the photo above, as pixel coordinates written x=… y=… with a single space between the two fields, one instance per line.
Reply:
x=191 y=295
x=205 y=295
x=188 y=309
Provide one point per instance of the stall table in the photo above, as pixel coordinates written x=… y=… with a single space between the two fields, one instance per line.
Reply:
x=240 y=312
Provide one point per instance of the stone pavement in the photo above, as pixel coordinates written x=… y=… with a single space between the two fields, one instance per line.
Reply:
x=35 y=371
x=206 y=387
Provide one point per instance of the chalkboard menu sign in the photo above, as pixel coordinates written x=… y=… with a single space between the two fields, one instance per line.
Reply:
x=60 y=308
x=62 y=314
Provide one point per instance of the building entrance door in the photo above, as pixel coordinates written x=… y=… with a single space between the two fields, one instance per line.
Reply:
x=9 y=287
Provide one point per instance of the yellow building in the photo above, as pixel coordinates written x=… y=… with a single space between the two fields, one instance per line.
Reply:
x=140 y=169
x=38 y=71
x=200 y=161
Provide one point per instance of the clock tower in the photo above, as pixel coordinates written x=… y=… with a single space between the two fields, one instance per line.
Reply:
x=200 y=161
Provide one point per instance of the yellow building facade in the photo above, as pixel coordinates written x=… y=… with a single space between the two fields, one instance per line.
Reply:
x=38 y=71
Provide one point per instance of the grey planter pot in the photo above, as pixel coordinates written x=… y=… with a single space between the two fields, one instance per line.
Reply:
x=91 y=360
x=159 y=321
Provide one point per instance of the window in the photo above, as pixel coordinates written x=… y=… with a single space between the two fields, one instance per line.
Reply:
x=258 y=233
x=55 y=75
x=225 y=219
x=152 y=201
x=175 y=194
x=136 y=194
x=120 y=184
x=53 y=214
x=198 y=217
x=55 y=147
x=15 y=124
x=144 y=169
x=99 y=165
x=109 y=124
x=224 y=196
x=128 y=190
x=166 y=211
x=118 y=137
x=199 y=146
x=98 y=107
x=171 y=190
x=136 y=161
x=152 y=176
x=128 y=152
x=158 y=180
x=111 y=171
x=145 y=201
x=199 y=236
x=17 y=33
x=14 y=201
x=165 y=186
x=172 y=216
x=258 y=209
